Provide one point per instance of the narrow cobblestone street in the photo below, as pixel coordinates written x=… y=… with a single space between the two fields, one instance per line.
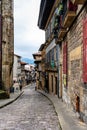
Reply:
x=32 y=111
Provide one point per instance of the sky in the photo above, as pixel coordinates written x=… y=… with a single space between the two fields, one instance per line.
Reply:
x=27 y=35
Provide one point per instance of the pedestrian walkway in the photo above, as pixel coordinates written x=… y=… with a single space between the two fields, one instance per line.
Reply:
x=13 y=97
x=68 y=119
x=32 y=111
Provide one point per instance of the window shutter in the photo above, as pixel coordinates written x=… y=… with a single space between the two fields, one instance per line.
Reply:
x=65 y=58
x=85 y=51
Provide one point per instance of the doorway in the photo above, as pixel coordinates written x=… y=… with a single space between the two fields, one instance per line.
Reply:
x=52 y=82
x=56 y=85
x=60 y=84
x=77 y=104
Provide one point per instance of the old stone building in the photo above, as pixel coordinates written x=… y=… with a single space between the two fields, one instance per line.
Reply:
x=37 y=60
x=43 y=72
x=65 y=25
x=23 y=73
x=51 y=48
x=17 y=68
x=6 y=44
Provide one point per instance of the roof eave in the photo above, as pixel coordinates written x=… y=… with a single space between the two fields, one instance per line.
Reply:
x=45 y=9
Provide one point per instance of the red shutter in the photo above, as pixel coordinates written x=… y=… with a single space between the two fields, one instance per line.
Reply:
x=85 y=50
x=65 y=58
x=0 y=53
x=71 y=6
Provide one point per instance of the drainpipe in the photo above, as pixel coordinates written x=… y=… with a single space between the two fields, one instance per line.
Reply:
x=0 y=44
x=58 y=55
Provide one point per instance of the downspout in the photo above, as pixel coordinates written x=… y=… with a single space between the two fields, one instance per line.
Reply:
x=0 y=44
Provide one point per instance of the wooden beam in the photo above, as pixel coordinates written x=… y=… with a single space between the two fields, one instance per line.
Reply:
x=78 y=1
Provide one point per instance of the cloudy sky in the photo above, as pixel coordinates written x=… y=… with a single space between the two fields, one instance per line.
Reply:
x=27 y=36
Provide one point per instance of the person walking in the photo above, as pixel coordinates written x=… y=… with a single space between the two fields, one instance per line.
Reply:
x=20 y=84
x=15 y=85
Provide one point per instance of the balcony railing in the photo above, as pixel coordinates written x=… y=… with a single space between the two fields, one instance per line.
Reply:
x=69 y=12
x=63 y=18
x=51 y=66
x=49 y=34
x=62 y=31
x=59 y=30
x=56 y=26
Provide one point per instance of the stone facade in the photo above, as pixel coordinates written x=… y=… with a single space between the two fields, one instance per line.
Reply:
x=23 y=73
x=70 y=53
x=51 y=66
x=76 y=90
x=17 y=68
x=42 y=73
x=38 y=57
x=7 y=43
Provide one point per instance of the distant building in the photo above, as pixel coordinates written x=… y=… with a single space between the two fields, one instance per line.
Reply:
x=46 y=22
x=29 y=73
x=17 y=68
x=37 y=57
x=43 y=76
x=23 y=73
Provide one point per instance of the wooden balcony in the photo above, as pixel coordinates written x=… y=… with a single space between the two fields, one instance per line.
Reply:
x=61 y=33
x=57 y=2
x=49 y=67
x=78 y=1
x=58 y=41
x=69 y=17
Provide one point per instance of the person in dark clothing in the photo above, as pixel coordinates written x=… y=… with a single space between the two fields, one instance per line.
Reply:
x=20 y=84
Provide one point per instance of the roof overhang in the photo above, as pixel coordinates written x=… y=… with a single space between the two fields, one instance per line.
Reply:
x=45 y=9
x=41 y=47
x=23 y=63
x=37 y=61
x=36 y=54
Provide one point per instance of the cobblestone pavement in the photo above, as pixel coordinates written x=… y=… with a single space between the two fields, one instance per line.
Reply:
x=32 y=111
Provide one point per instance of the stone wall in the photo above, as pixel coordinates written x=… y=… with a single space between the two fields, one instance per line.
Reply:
x=76 y=90
x=7 y=43
x=0 y=49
